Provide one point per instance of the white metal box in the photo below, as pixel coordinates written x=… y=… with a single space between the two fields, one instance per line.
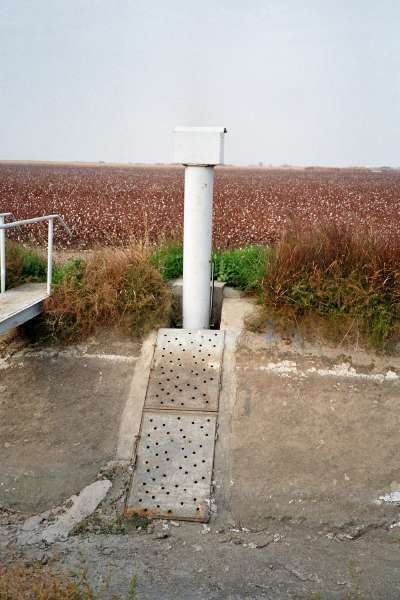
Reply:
x=199 y=145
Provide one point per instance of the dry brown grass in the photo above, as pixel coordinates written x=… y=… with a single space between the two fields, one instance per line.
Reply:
x=114 y=287
x=345 y=281
x=33 y=582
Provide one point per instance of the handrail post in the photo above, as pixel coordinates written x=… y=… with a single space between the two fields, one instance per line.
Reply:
x=50 y=233
x=50 y=255
x=2 y=257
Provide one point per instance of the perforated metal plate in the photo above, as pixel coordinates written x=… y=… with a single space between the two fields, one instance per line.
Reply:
x=174 y=465
x=186 y=370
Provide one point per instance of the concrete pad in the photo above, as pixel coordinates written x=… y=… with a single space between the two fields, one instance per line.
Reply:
x=235 y=311
x=310 y=445
x=60 y=414
x=231 y=292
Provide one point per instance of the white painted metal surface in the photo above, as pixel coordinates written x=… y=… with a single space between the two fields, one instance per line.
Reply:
x=50 y=254
x=199 y=145
x=20 y=304
x=199 y=149
x=4 y=226
x=2 y=257
x=21 y=297
x=197 y=246
x=3 y=251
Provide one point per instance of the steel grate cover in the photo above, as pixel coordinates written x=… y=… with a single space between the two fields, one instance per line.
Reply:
x=186 y=370
x=173 y=471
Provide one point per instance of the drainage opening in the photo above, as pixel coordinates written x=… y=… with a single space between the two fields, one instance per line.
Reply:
x=218 y=293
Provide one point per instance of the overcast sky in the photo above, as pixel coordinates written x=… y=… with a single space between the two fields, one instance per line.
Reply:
x=294 y=81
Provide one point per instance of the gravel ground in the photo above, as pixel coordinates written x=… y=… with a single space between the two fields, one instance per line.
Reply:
x=191 y=561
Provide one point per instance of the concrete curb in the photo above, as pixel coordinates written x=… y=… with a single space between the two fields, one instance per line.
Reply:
x=132 y=414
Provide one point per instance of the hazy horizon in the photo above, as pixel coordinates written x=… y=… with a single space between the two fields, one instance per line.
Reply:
x=313 y=83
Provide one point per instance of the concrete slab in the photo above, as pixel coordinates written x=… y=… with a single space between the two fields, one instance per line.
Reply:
x=60 y=414
x=304 y=433
x=62 y=521
x=308 y=437
x=132 y=415
x=235 y=311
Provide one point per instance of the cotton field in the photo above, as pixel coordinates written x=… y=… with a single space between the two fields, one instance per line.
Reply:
x=106 y=205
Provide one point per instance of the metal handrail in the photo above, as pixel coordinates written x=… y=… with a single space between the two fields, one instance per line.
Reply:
x=50 y=232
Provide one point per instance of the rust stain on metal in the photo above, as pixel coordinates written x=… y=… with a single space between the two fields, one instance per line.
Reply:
x=172 y=478
x=202 y=517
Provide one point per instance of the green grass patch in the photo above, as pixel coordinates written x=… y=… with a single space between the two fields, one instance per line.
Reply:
x=23 y=265
x=244 y=268
x=168 y=259
x=72 y=270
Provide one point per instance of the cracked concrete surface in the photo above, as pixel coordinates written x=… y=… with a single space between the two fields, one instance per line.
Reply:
x=305 y=458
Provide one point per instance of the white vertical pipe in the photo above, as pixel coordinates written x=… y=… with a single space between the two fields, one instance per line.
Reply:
x=2 y=257
x=50 y=255
x=197 y=244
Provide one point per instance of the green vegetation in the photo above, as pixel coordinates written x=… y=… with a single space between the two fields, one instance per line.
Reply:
x=135 y=521
x=72 y=270
x=23 y=265
x=244 y=268
x=329 y=281
x=168 y=259
x=132 y=588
